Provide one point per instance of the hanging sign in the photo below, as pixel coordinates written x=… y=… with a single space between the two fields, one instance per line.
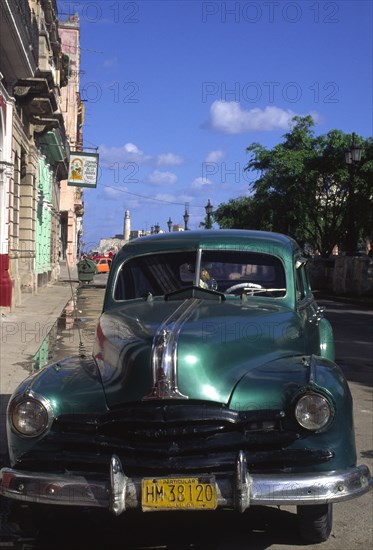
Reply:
x=83 y=169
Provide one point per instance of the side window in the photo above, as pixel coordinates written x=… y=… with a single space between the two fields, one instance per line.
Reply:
x=307 y=280
x=300 y=282
x=132 y=282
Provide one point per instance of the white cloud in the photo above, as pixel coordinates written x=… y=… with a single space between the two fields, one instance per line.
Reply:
x=317 y=117
x=169 y=159
x=215 y=156
x=129 y=152
x=133 y=149
x=162 y=178
x=228 y=117
x=200 y=183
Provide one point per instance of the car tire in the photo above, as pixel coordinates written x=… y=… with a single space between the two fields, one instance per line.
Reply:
x=315 y=522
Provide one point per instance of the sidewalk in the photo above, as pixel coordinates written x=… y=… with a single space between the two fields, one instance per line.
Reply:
x=23 y=330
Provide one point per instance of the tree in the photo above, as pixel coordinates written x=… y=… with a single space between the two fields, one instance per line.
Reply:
x=302 y=188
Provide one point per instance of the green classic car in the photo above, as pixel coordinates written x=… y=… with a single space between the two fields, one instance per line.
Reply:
x=212 y=384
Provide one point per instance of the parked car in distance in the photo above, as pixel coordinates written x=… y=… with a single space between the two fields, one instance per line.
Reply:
x=212 y=385
x=103 y=265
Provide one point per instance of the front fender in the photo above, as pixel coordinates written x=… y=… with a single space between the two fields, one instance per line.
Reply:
x=71 y=386
x=279 y=384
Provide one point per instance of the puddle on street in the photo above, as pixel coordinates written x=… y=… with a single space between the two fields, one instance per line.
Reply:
x=50 y=347
x=72 y=333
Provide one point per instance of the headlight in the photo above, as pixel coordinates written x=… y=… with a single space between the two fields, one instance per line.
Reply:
x=313 y=411
x=29 y=417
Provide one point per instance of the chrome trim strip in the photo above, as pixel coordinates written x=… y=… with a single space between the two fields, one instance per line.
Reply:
x=263 y=489
x=164 y=353
x=243 y=484
x=197 y=267
x=118 y=485
x=312 y=370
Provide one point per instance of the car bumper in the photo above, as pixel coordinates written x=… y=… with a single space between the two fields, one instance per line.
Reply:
x=118 y=493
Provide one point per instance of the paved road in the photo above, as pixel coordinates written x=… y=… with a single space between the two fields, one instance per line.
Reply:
x=258 y=528
x=353 y=329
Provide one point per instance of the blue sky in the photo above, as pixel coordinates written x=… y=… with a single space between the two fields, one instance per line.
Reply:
x=176 y=90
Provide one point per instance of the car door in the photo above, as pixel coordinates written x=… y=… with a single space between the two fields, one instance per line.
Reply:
x=307 y=309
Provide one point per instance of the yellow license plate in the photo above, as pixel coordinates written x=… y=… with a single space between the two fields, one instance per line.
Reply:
x=179 y=493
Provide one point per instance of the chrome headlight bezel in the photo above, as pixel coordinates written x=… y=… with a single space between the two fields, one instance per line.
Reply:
x=313 y=411
x=30 y=415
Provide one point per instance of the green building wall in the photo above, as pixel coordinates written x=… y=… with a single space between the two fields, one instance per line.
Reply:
x=44 y=218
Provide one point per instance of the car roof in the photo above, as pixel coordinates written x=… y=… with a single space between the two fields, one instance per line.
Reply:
x=257 y=241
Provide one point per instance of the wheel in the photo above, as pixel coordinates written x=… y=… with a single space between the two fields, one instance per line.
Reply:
x=315 y=522
x=242 y=285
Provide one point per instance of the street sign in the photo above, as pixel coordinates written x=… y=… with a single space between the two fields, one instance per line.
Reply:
x=83 y=169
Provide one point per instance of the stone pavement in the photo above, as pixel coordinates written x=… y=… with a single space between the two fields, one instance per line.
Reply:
x=23 y=330
x=39 y=320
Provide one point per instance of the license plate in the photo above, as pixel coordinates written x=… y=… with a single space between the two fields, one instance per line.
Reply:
x=179 y=493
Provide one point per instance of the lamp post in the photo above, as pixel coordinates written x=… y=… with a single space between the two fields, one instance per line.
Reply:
x=208 y=209
x=169 y=223
x=353 y=158
x=80 y=246
x=186 y=219
x=156 y=228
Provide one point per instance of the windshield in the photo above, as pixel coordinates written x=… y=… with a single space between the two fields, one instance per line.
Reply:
x=229 y=272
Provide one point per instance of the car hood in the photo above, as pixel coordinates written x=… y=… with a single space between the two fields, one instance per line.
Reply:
x=190 y=349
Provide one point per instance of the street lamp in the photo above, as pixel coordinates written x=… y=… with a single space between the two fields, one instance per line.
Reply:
x=353 y=158
x=186 y=219
x=81 y=245
x=208 y=209
x=156 y=228
x=169 y=223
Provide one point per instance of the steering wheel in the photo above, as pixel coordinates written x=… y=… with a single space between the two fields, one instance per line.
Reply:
x=213 y=284
x=242 y=285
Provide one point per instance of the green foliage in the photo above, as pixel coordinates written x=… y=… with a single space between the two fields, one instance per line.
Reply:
x=302 y=189
x=65 y=70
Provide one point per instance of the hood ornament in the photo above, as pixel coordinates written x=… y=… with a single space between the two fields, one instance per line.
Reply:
x=164 y=353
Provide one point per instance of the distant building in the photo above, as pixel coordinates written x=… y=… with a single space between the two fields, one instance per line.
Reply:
x=116 y=242
x=127 y=226
x=135 y=234
x=72 y=107
x=110 y=245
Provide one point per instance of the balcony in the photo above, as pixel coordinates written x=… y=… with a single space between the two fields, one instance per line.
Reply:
x=19 y=40
x=79 y=212
x=54 y=147
x=39 y=102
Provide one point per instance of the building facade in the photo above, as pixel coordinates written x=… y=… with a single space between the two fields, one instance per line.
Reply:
x=34 y=151
x=72 y=107
x=6 y=174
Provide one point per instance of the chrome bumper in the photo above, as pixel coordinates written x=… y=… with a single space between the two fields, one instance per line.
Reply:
x=118 y=493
